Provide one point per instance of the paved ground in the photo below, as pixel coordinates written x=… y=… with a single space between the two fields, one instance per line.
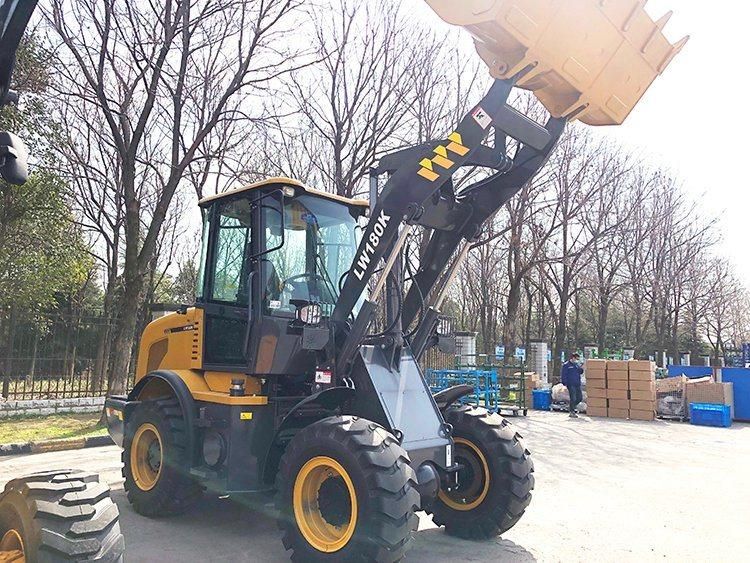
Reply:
x=606 y=491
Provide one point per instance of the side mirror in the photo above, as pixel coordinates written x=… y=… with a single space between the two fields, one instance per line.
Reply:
x=14 y=167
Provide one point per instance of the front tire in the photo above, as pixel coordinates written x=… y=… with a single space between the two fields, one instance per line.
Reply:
x=156 y=461
x=496 y=479
x=347 y=492
x=59 y=516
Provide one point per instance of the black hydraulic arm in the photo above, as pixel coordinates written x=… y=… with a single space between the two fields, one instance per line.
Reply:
x=409 y=187
x=405 y=197
x=480 y=202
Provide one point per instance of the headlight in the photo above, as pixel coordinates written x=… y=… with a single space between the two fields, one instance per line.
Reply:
x=310 y=314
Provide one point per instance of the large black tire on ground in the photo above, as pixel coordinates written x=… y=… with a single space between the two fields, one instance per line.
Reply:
x=489 y=508
x=61 y=516
x=380 y=475
x=174 y=491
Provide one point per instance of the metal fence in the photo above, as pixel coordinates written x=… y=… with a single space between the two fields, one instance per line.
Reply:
x=52 y=355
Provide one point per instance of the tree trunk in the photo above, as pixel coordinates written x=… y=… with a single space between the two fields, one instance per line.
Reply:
x=561 y=335
x=34 y=352
x=601 y=329
x=9 y=351
x=509 y=326
x=124 y=335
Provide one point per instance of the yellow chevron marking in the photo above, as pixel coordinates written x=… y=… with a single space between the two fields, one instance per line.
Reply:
x=456 y=138
x=426 y=163
x=440 y=149
x=444 y=162
x=428 y=174
x=458 y=149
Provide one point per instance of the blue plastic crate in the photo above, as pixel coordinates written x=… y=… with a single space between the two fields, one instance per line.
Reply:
x=542 y=399
x=706 y=414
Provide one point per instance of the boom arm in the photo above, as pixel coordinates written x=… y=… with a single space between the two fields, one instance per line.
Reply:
x=416 y=194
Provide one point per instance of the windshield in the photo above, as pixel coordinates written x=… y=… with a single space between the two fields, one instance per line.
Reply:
x=313 y=252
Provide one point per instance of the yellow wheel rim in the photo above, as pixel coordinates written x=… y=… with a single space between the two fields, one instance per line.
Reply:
x=146 y=456
x=471 y=495
x=325 y=504
x=11 y=548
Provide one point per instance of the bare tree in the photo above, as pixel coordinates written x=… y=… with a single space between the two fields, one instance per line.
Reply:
x=160 y=78
x=352 y=106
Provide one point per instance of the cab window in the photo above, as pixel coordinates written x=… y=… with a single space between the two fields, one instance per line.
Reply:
x=231 y=252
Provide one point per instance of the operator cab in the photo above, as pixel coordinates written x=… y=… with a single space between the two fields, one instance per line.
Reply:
x=274 y=256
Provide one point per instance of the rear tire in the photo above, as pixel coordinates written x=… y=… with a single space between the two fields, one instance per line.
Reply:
x=59 y=516
x=496 y=482
x=347 y=492
x=156 y=460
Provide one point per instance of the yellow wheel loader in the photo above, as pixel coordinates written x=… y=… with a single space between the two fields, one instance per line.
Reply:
x=276 y=380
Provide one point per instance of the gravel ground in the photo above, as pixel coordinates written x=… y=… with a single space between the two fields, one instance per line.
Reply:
x=606 y=490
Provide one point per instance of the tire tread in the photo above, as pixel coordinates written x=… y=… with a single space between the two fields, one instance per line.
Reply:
x=75 y=515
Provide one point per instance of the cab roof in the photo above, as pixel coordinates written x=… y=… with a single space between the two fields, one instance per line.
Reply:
x=296 y=184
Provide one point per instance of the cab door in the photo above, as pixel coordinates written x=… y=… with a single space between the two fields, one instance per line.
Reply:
x=227 y=284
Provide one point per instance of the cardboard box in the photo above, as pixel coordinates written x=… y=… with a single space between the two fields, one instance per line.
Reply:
x=596 y=393
x=642 y=376
x=595 y=364
x=596 y=411
x=617 y=375
x=671 y=384
x=643 y=396
x=712 y=393
x=595 y=374
x=618 y=413
x=617 y=394
x=596 y=383
x=642 y=366
x=619 y=404
x=596 y=402
x=642 y=386
x=642 y=415
x=642 y=405
x=617 y=365
x=618 y=384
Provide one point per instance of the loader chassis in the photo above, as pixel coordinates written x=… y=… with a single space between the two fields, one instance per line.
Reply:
x=275 y=379
x=277 y=247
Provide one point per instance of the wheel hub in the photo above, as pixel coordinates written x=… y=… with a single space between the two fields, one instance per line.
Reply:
x=473 y=478
x=334 y=502
x=325 y=504
x=146 y=454
x=11 y=548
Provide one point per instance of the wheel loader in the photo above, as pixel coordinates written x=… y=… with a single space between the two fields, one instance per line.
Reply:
x=296 y=371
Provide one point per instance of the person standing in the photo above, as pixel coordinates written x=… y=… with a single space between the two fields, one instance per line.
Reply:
x=571 y=378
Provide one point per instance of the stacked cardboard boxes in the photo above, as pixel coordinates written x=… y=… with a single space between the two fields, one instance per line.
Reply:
x=621 y=389
x=618 y=403
x=596 y=387
x=642 y=389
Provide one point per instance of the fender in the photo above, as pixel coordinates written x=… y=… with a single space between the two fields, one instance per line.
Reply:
x=447 y=397
x=329 y=399
x=185 y=398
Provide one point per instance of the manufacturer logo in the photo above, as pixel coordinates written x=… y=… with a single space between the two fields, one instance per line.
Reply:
x=371 y=246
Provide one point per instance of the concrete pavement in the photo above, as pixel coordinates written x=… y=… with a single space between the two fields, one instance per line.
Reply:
x=606 y=490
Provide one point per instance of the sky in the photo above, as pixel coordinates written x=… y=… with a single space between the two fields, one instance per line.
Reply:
x=693 y=121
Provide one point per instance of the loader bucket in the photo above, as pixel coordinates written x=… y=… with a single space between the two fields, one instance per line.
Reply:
x=590 y=60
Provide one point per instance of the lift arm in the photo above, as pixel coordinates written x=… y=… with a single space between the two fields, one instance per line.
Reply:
x=416 y=194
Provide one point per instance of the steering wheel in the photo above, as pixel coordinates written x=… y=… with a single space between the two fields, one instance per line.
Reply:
x=323 y=289
x=303 y=276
